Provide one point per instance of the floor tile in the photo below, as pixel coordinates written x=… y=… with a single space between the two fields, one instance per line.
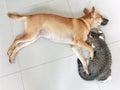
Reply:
x=77 y=7
x=6 y=36
x=112 y=29
x=59 y=7
x=16 y=5
x=11 y=82
x=59 y=75
x=3 y=7
x=114 y=83
x=51 y=7
x=17 y=27
x=42 y=51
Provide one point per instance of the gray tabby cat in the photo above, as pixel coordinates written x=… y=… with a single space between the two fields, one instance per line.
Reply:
x=100 y=67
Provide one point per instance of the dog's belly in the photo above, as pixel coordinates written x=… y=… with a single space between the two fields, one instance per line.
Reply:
x=60 y=38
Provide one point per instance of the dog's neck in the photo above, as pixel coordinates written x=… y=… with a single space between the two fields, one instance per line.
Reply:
x=86 y=23
x=89 y=22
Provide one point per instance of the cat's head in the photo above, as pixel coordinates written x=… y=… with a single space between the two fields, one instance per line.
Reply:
x=94 y=37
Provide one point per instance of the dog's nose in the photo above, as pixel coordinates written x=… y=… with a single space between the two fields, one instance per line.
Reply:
x=105 y=21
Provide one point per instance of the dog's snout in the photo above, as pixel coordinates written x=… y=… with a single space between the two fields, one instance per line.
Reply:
x=105 y=21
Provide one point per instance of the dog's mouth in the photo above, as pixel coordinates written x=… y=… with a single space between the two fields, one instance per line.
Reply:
x=105 y=21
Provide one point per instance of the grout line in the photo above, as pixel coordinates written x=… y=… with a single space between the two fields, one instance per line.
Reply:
x=9 y=74
x=114 y=42
x=56 y=60
x=98 y=85
x=21 y=73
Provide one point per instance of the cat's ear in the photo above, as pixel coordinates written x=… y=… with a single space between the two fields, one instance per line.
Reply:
x=100 y=34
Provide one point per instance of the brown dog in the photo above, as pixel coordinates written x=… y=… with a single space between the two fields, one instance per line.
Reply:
x=72 y=31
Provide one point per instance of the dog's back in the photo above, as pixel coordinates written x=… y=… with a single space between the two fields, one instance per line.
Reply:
x=100 y=67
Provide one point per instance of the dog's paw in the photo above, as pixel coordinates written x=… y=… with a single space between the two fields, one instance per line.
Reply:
x=91 y=59
x=11 y=60
x=86 y=72
x=91 y=56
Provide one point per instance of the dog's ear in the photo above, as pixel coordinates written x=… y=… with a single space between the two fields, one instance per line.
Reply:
x=86 y=11
x=93 y=9
x=93 y=14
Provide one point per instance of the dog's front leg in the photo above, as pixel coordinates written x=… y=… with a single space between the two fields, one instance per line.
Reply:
x=83 y=44
x=78 y=52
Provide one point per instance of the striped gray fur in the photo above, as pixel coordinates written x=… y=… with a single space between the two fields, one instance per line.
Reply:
x=100 y=67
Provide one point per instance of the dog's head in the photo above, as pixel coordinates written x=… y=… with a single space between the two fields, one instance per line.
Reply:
x=93 y=18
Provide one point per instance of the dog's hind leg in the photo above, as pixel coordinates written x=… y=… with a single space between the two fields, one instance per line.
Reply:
x=78 y=52
x=19 y=43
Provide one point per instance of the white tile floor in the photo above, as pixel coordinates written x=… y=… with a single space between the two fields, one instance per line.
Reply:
x=45 y=65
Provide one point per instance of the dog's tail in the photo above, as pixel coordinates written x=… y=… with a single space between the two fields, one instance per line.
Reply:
x=16 y=17
x=83 y=74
